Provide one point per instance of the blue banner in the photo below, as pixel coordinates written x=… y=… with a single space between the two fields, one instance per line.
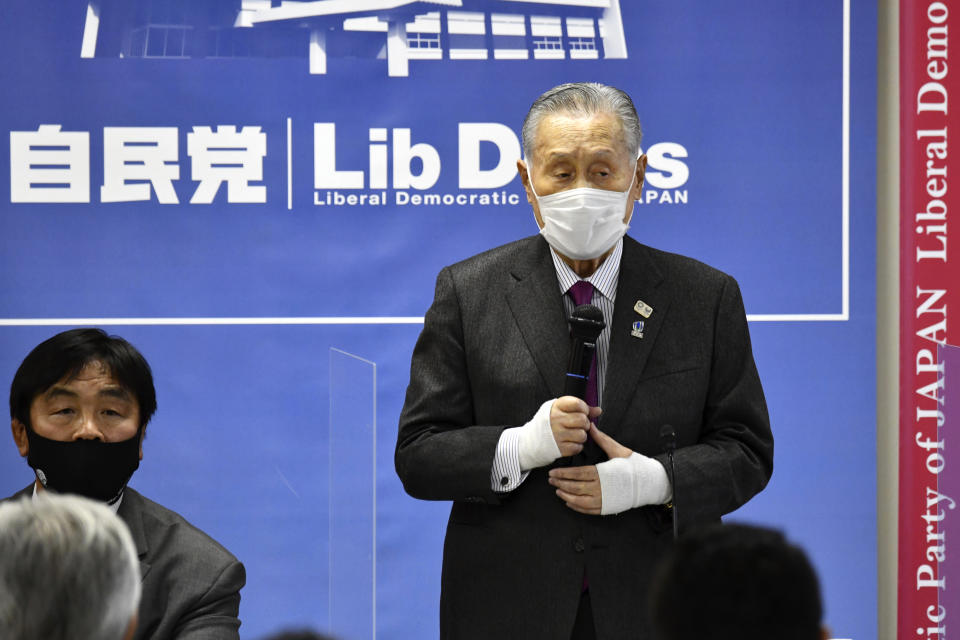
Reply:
x=240 y=186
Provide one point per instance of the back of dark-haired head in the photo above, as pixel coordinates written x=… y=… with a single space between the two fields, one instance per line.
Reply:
x=65 y=355
x=736 y=582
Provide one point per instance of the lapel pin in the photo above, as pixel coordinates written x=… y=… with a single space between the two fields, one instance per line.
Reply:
x=637 y=330
x=643 y=308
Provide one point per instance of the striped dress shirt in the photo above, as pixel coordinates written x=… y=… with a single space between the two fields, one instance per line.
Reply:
x=506 y=474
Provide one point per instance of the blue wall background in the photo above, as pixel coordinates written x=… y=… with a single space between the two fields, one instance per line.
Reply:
x=240 y=445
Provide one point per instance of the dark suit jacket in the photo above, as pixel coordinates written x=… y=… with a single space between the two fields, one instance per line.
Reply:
x=191 y=584
x=494 y=347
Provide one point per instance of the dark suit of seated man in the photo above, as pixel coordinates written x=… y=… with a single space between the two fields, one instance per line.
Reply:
x=79 y=406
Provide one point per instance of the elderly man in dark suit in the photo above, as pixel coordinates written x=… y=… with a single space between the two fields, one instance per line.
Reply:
x=561 y=506
x=79 y=406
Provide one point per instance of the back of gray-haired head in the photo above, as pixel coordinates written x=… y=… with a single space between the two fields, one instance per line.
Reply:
x=584 y=99
x=68 y=570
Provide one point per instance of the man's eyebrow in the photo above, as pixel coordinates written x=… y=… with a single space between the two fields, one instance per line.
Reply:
x=557 y=155
x=115 y=392
x=57 y=392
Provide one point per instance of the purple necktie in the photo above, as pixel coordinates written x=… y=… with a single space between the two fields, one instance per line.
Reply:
x=582 y=293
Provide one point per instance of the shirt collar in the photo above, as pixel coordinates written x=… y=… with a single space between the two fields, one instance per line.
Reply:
x=115 y=506
x=604 y=279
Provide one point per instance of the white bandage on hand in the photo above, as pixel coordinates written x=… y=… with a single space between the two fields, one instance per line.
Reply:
x=537 y=446
x=628 y=483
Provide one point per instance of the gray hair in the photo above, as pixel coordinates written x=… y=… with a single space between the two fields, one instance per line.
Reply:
x=586 y=99
x=68 y=569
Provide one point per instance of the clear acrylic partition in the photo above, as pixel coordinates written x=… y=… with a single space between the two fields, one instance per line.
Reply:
x=948 y=479
x=353 y=534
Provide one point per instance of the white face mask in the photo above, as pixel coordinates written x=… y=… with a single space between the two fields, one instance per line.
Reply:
x=583 y=223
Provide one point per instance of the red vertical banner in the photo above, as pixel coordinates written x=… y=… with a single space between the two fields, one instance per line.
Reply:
x=929 y=286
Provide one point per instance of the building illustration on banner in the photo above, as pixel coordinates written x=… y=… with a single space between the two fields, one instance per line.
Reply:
x=407 y=165
x=321 y=31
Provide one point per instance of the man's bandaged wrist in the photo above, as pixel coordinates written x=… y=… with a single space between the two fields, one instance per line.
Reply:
x=628 y=483
x=537 y=446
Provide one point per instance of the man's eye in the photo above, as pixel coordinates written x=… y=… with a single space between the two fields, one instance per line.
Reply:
x=112 y=413
x=66 y=411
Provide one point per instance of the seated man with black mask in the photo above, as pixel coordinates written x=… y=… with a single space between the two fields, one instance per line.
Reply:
x=79 y=406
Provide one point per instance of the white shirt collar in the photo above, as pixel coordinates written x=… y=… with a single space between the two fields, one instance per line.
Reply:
x=604 y=279
x=113 y=507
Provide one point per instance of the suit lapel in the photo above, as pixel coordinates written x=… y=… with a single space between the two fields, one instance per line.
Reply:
x=639 y=279
x=131 y=512
x=534 y=300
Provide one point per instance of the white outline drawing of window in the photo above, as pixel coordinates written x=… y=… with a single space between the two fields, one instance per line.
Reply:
x=547 y=32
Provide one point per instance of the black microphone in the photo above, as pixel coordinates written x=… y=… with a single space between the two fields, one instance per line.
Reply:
x=668 y=441
x=586 y=323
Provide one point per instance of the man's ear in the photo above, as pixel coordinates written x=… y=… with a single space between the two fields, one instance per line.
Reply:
x=20 y=436
x=641 y=173
x=143 y=434
x=525 y=179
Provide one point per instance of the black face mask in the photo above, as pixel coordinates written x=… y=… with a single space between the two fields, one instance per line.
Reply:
x=90 y=468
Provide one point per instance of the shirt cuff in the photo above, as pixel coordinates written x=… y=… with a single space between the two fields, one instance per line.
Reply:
x=505 y=476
